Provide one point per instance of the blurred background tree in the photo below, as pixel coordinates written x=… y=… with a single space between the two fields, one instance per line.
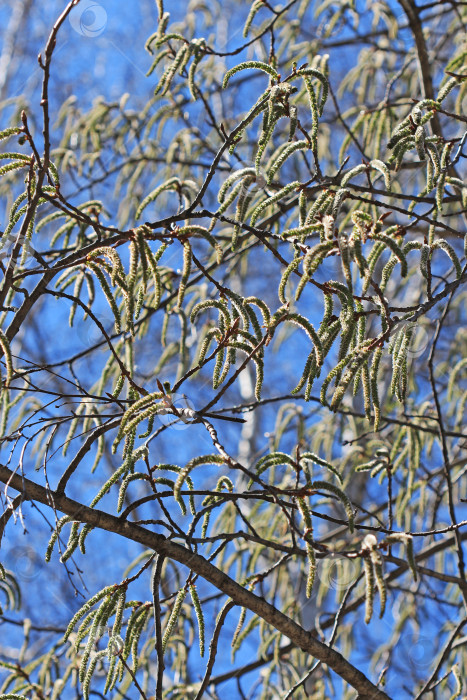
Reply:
x=232 y=331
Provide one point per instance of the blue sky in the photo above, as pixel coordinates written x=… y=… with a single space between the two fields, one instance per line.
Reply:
x=101 y=52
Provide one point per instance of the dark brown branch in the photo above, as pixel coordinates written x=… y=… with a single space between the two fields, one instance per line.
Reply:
x=158 y=626
x=240 y=596
x=424 y=67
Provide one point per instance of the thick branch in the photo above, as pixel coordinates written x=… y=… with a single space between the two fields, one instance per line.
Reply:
x=242 y=597
x=424 y=68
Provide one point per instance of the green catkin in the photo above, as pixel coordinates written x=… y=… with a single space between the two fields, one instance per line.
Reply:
x=138 y=630
x=425 y=254
x=85 y=530
x=338 y=200
x=199 y=617
x=311 y=456
x=95 y=632
x=420 y=135
x=352 y=173
x=263 y=142
x=185 y=273
x=14 y=216
x=293 y=111
x=12 y=166
x=374 y=387
x=396 y=249
x=119 y=610
x=366 y=384
x=352 y=363
x=244 y=173
x=406 y=540
x=272 y=200
x=72 y=542
x=108 y=294
x=181 y=58
x=302 y=201
x=318 y=206
x=87 y=608
x=98 y=656
x=114 y=259
x=137 y=615
x=384 y=170
x=336 y=491
x=238 y=629
x=19 y=156
x=400 y=362
x=456 y=672
x=213 y=304
x=10 y=131
x=286 y=153
x=309 y=371
x=135 y=407
x=250 y=65
x=183 y=475
x=449 y=250
x=55 y=536
x=312 y=260
x=76 y=293
x=328 y=309
x=308 y=536
x=369 y=588
x=345 y=259
x=124 y=485
x=301 y=321
x=434 y=155
x=5 y=410
x=172 y=183
x=198 y=49
x=256 y=5
x=5 y=346
x=114 y=647
x=253 y=622
x=109 y=483
x=314 y=118
x=241 y=209
x=449 y=85
x=430 y=172
x=377 y=563
x=141 y=242
x=310 y=73
x=174 y=615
